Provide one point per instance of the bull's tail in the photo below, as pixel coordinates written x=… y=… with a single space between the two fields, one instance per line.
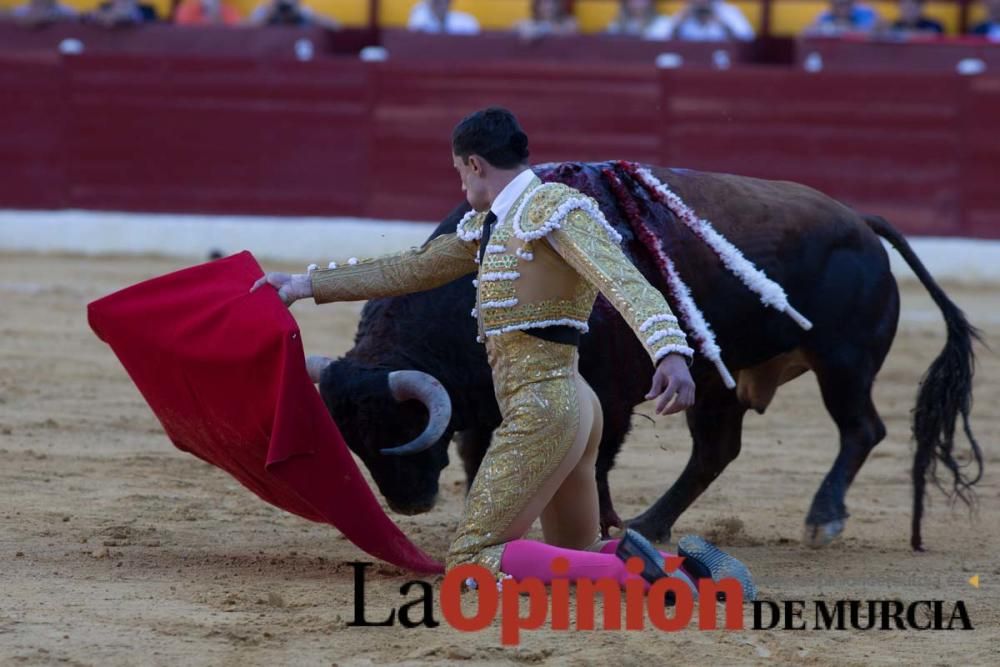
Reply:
x=945 y=393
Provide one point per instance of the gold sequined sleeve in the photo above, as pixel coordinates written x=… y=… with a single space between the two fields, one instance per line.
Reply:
x=586 y=244
x=439 y=261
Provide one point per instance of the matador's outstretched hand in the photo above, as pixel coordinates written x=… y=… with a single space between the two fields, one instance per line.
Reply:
x=672 y=380
x=291 y=286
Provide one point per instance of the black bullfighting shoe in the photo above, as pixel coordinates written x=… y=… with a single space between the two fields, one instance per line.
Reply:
x=632 y=544
x=705 y=560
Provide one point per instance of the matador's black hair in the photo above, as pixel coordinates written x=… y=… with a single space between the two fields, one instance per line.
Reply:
x=495 y=135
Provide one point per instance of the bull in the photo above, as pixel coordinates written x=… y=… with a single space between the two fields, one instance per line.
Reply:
x=834 y=269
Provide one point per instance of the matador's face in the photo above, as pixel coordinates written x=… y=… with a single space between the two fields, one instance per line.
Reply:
x=470 y=170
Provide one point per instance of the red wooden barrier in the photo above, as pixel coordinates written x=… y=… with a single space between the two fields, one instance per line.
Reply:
x=934 y=55
x=885 y=143
x=337 y=136
x=165 y=39
x=981 y=158
x=571 y=112
x=602 y=49
x=33 y=148
x=218 y=136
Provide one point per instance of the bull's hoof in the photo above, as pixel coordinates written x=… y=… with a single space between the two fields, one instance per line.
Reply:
x=822 y=534
x=412 y=510
x=609 y=520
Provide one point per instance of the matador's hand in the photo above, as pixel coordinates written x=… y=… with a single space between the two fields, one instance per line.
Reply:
x=291 y=286
x=672 y=382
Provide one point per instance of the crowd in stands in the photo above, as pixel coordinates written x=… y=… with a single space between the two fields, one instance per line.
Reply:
x=113 y=13
x=853 y=17
x=697 y=20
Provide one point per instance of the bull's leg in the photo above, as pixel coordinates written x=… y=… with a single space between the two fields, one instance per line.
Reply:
x=851 y=338
x=847 y=395
x=616 y=426
x=472 y=446
x=716 y=424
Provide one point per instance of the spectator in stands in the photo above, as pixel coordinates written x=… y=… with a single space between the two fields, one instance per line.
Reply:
x=913 y=23
x=845 y=16
x=548 y=17
x=206 y=12
x=710 y=21
x=436 y=16
x=289 y=12
x=117 y=13
x=639 y=18
x=990 y=28
x=36 y=13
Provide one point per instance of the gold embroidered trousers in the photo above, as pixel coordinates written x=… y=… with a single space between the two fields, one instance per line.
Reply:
x=537 y=387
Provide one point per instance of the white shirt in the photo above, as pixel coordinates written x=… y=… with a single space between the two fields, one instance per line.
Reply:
x=658 y=28
x=728 y=15
x=422 y=19
x=503 y=202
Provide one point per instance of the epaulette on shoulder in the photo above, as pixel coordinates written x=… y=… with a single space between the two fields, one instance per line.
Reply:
x=470 y=227
x=548 y=205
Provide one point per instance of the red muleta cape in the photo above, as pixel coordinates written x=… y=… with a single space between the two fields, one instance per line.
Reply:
x=224 y=371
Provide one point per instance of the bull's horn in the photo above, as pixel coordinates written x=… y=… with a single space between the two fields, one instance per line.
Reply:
x=315 y=365
x=419 y=386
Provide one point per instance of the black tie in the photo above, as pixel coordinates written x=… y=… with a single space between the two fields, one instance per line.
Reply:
x=491 y=217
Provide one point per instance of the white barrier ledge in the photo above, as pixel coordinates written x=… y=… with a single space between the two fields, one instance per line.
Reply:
x=308 y=240
x=321 y=240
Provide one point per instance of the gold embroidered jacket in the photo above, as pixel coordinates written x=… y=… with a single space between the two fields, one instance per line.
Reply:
x=544 y=265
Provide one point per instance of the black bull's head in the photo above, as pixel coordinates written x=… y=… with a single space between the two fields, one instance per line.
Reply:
x=398 y=422
x=431 y=336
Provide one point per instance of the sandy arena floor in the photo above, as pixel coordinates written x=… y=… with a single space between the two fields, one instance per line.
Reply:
x=117 y=549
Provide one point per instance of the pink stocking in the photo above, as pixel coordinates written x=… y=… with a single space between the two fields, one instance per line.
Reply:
x=527 y=558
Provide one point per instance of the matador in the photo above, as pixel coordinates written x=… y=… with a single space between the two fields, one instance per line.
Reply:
x=541 y=252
